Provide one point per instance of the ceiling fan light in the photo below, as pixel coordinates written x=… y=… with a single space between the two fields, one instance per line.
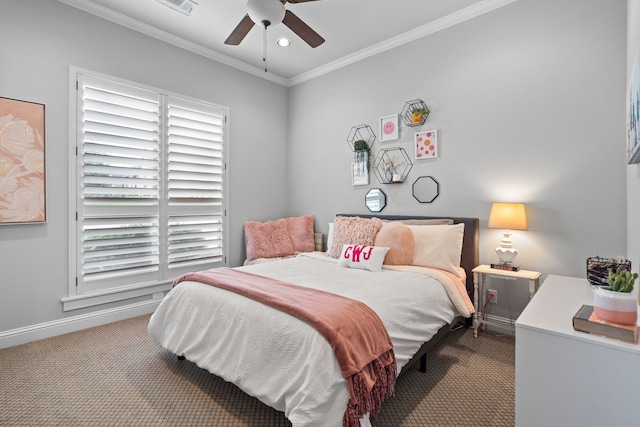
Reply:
x=265 y=10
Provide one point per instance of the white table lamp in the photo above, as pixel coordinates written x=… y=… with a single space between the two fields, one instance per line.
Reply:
x=508 y=216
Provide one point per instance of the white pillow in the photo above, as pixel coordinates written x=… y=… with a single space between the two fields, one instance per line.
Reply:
x=330 y=237
x=438 y=246
x=362 y=257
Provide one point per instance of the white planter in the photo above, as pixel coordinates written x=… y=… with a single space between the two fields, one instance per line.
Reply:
x=616 y=307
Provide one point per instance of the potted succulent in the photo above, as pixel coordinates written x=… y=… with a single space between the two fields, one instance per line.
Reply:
x=615 y=303
x=417 y=112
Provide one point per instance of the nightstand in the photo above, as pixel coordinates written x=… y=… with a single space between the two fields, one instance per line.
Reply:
x=480 y=274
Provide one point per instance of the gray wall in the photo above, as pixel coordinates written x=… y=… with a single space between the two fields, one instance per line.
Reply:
x=40 y=40
x=529 y=104
x=528 y=101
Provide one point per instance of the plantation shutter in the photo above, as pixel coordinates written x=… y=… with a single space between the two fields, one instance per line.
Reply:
x=149 y=179
x=195 y=171
x=120 y=167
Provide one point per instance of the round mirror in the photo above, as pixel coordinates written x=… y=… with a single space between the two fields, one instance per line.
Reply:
x=375 y=200
x=426 y=189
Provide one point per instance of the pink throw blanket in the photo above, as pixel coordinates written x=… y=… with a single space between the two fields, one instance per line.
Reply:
x=358 y=337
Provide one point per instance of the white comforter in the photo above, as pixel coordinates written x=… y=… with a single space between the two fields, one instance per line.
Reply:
x=281 y=360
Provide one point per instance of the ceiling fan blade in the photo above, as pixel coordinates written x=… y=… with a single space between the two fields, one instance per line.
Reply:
x=303 y=31
x=295 y=1
x=240 y=32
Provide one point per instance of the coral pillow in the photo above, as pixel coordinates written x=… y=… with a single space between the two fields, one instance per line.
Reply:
x=399 y=239
x=353 y=231
x=362 y=257
x=301 y=233
x=438 y=246
x=267 y=240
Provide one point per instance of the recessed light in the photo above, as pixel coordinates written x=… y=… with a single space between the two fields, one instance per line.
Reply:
x=283 y=42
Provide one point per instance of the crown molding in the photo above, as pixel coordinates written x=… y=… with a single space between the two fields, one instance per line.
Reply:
x=141 y=27
x=470 y=12
x=443 y=23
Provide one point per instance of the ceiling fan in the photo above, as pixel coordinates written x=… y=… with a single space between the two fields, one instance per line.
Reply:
x=272 y=12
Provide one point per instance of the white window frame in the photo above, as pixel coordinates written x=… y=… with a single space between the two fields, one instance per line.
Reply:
x=80 y=296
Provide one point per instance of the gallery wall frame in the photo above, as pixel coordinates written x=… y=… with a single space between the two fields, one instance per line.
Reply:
x=22 y=162
x=426 y=144
x=359 y=173
x=375 y=200
x=426 y=189
x=388 y=127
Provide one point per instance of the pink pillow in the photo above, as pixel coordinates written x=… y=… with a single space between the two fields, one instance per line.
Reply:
x=353 y=231
x=399 y=239
x=301 y=233
x=267 y=240
x=362 y=257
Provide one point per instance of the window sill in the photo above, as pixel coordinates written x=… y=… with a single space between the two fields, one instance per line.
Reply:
x=113 y=295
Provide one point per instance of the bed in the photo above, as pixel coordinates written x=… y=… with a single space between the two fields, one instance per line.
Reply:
x=284 y=361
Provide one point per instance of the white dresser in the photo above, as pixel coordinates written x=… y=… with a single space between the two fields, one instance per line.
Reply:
x=569 y=378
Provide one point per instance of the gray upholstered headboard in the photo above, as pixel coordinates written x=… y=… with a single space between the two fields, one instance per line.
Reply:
x=470 y=257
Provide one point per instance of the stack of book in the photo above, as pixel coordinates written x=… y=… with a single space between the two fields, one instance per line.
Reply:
x=507 y=267
x=585 y=320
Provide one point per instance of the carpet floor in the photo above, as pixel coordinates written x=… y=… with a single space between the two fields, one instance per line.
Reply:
x=115 y=375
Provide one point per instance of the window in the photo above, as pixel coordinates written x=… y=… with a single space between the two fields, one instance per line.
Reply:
x=148 y=189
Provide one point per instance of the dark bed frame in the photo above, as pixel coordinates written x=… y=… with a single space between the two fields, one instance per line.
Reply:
x=469 y=259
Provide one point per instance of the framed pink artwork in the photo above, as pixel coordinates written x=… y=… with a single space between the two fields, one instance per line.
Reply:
x=389 y=128
x=426 y=144
x=22 y=162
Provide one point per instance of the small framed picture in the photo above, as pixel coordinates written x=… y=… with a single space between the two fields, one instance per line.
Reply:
x=389 y=128
x=426 y=144
x=359 y=173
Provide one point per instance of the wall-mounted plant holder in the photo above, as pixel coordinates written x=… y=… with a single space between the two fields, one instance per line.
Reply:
x=361 y=133
x=414 y=112
x=360 y=139
x=392 y=165
x=426 y=189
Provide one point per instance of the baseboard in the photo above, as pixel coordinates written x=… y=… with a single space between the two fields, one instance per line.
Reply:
x=75 y=323
x=500 y=324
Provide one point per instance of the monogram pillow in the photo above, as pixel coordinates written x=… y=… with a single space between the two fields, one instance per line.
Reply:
x=362 y=257
x=352 y=230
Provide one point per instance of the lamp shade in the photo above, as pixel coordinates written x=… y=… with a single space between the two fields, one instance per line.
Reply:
x=509 y=216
